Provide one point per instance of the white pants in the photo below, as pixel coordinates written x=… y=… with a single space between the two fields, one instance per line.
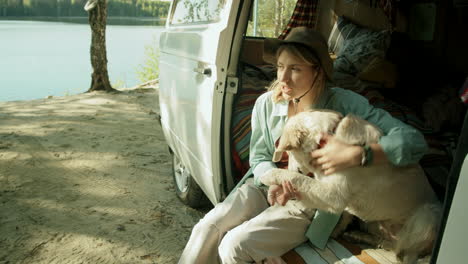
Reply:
x=245 y=229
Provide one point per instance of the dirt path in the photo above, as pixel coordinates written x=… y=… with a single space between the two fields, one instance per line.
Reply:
x=87 y=179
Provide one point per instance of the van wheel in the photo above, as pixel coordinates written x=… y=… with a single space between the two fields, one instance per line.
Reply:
x=186 y=188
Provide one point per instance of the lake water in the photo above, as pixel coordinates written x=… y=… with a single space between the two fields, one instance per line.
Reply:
x=38 y=59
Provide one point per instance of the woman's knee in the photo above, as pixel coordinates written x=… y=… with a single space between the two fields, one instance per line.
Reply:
x=204 y=226
x=244 y=203
x=233 y=247
x=252 y=198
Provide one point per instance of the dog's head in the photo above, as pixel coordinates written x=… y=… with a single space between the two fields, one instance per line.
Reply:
x=304 y=131
x=356 y=131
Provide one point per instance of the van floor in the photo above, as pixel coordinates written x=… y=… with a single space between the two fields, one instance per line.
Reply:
x=342 y=252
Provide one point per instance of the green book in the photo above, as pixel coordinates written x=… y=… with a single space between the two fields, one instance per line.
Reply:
x=321 y=228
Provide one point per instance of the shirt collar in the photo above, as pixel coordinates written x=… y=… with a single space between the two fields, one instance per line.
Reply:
x=280 y=108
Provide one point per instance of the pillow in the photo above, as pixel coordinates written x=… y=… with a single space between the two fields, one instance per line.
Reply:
x=359 y=45
x=335 y=40
x=342 y=29
x=380 y=71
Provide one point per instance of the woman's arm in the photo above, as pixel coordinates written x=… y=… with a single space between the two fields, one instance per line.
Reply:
x=400 y=144
x=262 y=149
x=337 y=155
x=261 y=152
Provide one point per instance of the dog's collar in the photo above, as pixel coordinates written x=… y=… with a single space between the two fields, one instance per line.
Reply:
x=322 y=143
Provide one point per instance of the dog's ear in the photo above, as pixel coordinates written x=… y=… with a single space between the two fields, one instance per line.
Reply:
x=283 y=146
x=290 y=139
x=277 y=155
x=373 y=133
x=316 y=138
x=334 y=120
x=356 y=131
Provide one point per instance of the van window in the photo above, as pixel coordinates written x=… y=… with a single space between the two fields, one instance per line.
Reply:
x=196 y=11
x=269 y=18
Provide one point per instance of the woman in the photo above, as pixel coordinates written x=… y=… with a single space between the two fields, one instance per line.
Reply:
x=256 y=222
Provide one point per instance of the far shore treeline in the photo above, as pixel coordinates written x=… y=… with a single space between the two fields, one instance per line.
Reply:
x=74 y=8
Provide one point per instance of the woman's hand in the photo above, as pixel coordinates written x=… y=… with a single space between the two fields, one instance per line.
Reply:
x=336 y=155
x=282 y=193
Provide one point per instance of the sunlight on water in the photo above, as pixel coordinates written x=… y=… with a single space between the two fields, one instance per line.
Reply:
x=38 y=59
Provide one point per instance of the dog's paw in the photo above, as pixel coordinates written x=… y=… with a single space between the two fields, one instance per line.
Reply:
x=272 y=177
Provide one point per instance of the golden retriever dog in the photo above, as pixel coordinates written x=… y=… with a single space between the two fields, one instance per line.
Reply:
x=398 y=200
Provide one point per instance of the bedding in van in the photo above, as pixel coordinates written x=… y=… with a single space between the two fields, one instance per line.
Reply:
x=357 y=50
x=254 y=82
x=340 y=251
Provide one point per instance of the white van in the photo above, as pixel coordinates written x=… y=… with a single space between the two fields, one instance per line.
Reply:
x=212 y=69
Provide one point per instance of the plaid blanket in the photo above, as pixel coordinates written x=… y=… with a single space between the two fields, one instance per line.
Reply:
x=304 y=14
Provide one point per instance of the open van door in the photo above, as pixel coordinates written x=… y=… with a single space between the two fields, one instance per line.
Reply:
x=194 y=55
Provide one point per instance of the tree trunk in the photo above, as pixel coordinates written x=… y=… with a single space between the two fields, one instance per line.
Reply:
x=278 y=17
x=97 y=21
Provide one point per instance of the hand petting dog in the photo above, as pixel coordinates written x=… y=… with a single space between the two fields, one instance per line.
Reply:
x=335 y=155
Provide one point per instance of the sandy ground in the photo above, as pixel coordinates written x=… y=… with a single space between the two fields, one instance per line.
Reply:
x=87 y=179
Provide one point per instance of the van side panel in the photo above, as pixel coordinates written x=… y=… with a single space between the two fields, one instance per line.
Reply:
x=193 y=72
x=186 y=101
x=186 y=107
x=453 y=242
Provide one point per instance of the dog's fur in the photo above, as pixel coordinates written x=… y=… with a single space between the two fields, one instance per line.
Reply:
x=399 y=200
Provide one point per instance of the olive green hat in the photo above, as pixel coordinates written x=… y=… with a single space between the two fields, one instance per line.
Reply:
x=306 y=37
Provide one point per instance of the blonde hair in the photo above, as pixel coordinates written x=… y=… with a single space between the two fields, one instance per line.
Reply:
x=305 y=54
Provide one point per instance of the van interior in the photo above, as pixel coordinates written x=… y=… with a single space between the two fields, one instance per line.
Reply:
x=410 y=60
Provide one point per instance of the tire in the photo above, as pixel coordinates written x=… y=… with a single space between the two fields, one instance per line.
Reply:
x=186 y=188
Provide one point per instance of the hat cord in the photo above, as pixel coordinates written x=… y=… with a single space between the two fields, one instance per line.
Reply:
x=298 y=99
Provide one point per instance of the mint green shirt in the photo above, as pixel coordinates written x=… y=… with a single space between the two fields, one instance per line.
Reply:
x=401 y=143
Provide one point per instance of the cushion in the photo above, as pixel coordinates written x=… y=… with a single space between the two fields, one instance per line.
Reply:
x=344 y=29
x=380 y=71
x=254 y=82
x=356 y=48
x=345 y=75
x=363 y=45
x=335 y=40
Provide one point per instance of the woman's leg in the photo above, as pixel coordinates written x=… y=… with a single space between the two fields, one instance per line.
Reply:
x=240 y=206
x=272 y=233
